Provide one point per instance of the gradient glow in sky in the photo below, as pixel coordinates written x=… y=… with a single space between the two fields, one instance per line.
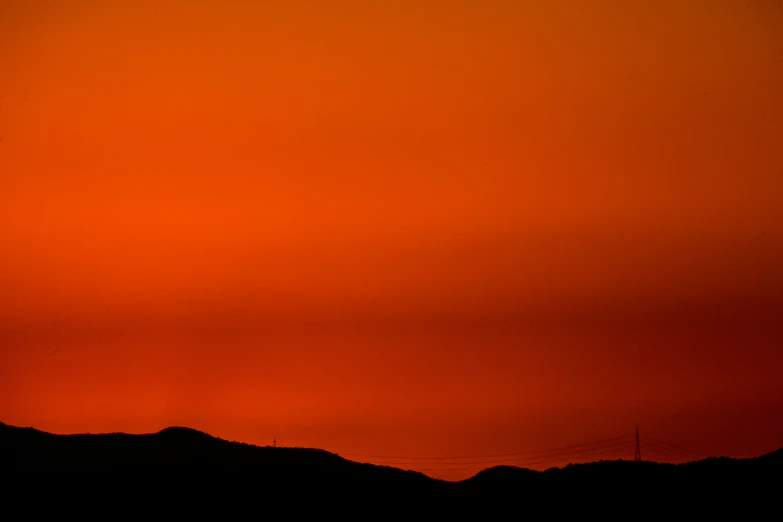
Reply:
x=394 y=228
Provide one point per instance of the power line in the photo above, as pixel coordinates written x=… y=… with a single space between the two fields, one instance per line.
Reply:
x=666 y=448
x=534 y=457
x=523 y=458
x=614 y=448
x=677 y=454
x=667 y=444
x=669 y=455
x=556 y=457
x=682 y=450
x=517 y=461
x=490 y=456
x=565 y=455
x=537 y=463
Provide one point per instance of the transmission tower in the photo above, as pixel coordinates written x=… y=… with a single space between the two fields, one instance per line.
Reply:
x=638 y=455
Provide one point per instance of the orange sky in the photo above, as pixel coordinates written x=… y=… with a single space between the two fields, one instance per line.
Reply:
x=394 y=228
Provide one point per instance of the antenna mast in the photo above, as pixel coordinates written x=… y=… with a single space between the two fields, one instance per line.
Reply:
x=638 y=455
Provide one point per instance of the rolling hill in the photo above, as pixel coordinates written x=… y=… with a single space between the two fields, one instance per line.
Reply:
x=184 y=452
x=177 y=451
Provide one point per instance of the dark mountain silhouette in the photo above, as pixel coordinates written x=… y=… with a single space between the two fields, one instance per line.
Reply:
x=705 y=470
x=176 y=450
x=187 y=454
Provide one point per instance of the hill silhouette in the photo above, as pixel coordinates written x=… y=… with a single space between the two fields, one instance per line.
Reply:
x=185 y=452
x=711 y=469
x=176 y=450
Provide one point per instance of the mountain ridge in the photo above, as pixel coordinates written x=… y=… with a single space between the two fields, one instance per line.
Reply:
x=29 y=451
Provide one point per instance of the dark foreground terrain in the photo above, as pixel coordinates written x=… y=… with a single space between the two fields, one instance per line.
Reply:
x=177 y=458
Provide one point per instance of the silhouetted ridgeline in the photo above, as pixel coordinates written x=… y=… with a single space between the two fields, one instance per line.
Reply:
x=26 y=452
x=180 y=451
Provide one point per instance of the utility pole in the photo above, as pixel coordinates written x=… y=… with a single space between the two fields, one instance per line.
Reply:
x=638 y=455
x=274 y=441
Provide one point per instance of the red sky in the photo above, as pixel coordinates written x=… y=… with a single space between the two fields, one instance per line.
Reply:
x=395 y=228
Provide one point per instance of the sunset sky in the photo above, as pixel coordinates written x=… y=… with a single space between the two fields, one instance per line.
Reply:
x=409 y=228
